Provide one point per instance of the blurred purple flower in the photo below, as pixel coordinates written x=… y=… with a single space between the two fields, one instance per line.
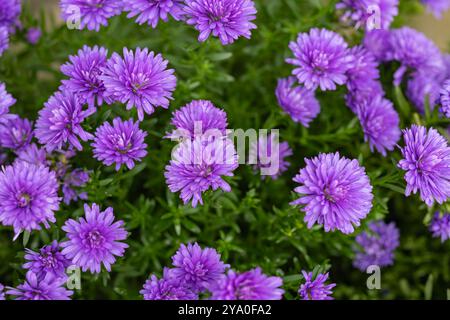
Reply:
x=6 y=101
x=440 y=226
x=72 y=183
x=363 y=70
x=378 y=43
x=421 y=87
x=15 y=133
x=445 y=98
x=34 y=35
x=316 y=289
x=33 y=288
x=4 y=40
x=436 y=7
x=166 y=288
x=10 y=11
x=2 y=293
x=151 y=11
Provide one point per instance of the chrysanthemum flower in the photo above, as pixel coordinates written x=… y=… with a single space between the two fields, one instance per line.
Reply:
x=198 y=165
x=377 y=42
x=28 y=196
x=445 y=98
x=4 y=40
x=6 y=101
x=48 y=261
x=362 y=93
x=335 y=192
x=94 y=240
x=249 y=285
x=226 y=19
x=298 y=102
x=72 y=182
x=440 y=226
x=60 y=122
x=93 y=13
x=376 y=246
x=150 y=11
x=166 y=289
x=34 y=35
x=363 y=70
x=140 y=79
x=32 y=154
x=84 y=70
x=9 y=14
x=196 y=118
x=120 y=143
x=316 y=289
x=15 y=133
x=427 y=164
x=197 y=268
x=48 y=288
x=322 y=59
x=421 y=87
x=437 y=7
x=380 y=123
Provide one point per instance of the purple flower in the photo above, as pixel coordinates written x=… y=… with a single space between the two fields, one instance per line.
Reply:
x=427 y=164
x=376 y=246
x=225 y=19
x=16 y=133
x=440 y=226
x=92 y=13
x=84 y=73
x=198 y=165
x=166 y=289
x=437 y=7
x=197 y=268
x=9 y=14
x=316 y=289
x=377 y=42
x=151 y=11
x=196 y=118
x=6 y=101
x=380 y=123
x=28 y=196
x=249 y=285
x=33 y=288
x=362 y=93
x=421 y=87
x=48 y=261
x=94 y=239
x=445 y=98
x=335 y=192
x=322 y=59
x=363 y=70
x=2 y=294
x=140 y=79
x=32 y=154
x=74 y=180
x=60 y=122
x=298 y=102
x=4 y=40
x=33 y=35
x=121 y=143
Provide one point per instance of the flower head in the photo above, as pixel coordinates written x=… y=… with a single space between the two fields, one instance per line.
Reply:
x=34 y=288
x=33 y=35
x=72 y=181
x=226 y=19
x=363 y=70
x=32 y=154
x=15 y=133
x=426 y=160
x=316 y=289
x=9 y=14
x=6 y=101
x=140 y=79
x=445 y=98
x=4 y=40
x=437 y=7
x=440 y=226
x=335 y=192
x=166 y=289
x=421 y=87
x=151 y=11
x=94 y=240
x=377 y=42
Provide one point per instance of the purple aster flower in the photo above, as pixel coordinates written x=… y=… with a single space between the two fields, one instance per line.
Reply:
x=9 y=14
x=16 y=133
x=377 y=42
x=316 y=289
x=249 y=285
x=436 y=7
x=48 y=261
x=60 y=121
x=2 y=294
x=150 y=11
x=371 y=14
x=6 y=101
x=226 y=19
x=197 y=268
x=34 y=35
x=380 y=123
x=445 y=98
x=28 y=196
x=32 y=154
x=197 y=118
x=421 y=87
x=376 y=246
x=335 y=192
x=440 y=226
x=72 y=182
x=140 y=79
x=4 y=40
x=49 y=288
x=298 y=102
x=363 y=70
x=84 y=70
x=427 y=164
x=362 y=93
x=166 y=289
x=121 y=143
x=198 y=165
x=94 y=239
x=322 y=59
x=92 y=13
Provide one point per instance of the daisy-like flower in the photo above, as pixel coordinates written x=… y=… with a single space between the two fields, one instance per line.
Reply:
x=60 y=122
x=445 y=98
x=440 y=226
x=151 y=11
x=166 y=289
x=4 y=40
x=6 y=101
x=84 y=70
x=249 y=285
x=197 y=268
x=28 y=196
x=91 y=13
x=9 y=14
x=422 y=87
x=72 y=182
x=32 y=154
x=34 y=35
x=198 y=165
x=335 y=192
x=322 y=59
x=94 y=240
x=34 y=288
x=376 y=246
x=15 y=133
x=436 y=7
x=226 y=19
x=140 y=79
x=316 y=289
x=120 y=143
x=363 y=70
x=298 y=102
x=426 y=160
x=48 y=261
